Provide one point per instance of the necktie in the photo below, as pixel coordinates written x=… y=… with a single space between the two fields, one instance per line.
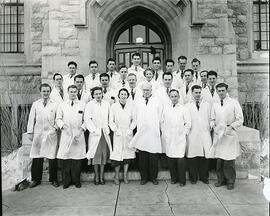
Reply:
x=111 y=74
x=196 y=75
x=79 y=95
x=168 y=91
x=146 y=100
x=221 y=102
x=204 y=85
x=72 y=103
x=212 y=91
x=156 y=75
x=132 y=93
x=182 y=74
x=123 y=83
x=198 y=105
x=187 y=88
x=94 y=76
x=44 y=103
x=136 y=69
x=61 y=92
x=105 y=90
x=174 y=105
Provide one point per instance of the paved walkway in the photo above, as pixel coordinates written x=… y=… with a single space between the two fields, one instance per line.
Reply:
x=133 y=199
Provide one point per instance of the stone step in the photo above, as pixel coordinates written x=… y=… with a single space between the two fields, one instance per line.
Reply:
x=134 y=175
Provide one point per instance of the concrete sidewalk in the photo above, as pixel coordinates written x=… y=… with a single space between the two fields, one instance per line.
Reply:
x=133 y=199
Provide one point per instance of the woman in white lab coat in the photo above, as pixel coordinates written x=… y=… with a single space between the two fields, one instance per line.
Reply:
x=149 y=75
x=96 y=119
x=122 y=123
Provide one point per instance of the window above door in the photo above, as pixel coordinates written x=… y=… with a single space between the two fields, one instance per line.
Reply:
x=138 y=34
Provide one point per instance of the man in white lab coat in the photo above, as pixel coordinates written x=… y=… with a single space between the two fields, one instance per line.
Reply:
x=147 y=139
x=203 y=75
x=68 y=79
x=178 y=76
x=175 y=126
x=57 y=94
x=169 y=65
x=156 y=64
x=83 y=94
x=121 y=82
x=199 y=138
x=72 y=143
x=111 y=70
x=92 y=80
x=134 y=90
x=188 y=83
x=42 y=130
x=209 y=93
x=109 y=94
x=227 y=117
x=196 y=65
x=136 y=68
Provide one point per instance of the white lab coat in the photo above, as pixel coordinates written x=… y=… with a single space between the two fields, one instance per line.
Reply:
x=148 y=119
x=118 y=84
x=175 y=126
x=89 y=83
x=41 y=124
x=164 y=98
x=85 y=96
x=155 y=85
x=96 y=120
x=56 y=97
x=178 y=82
x=72 y=142
x=111 y=95
x=138 y=94
x=122 y=123
x=67 y=81
x=207 y=96
x=225 y=143
x=187 y=97
x=114 y=77
x=159 y=80
x=199 y=138
x=139 y=73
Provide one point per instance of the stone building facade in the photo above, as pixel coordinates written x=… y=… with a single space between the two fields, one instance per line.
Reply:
x=218 y=32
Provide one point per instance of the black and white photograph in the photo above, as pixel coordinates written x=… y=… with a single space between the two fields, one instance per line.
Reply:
x=134 y=107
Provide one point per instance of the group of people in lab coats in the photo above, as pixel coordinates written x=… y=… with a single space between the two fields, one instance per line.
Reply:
x=116 y=116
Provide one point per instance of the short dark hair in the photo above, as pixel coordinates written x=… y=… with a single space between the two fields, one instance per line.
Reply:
x=92 y=62
x=157 y=58
x=220 y=85
x=132 y=74
x=72 y=63
x=182 y=57
x=72 y=86
x=167 y=73
x=122 y=66
x=189 y=70
x=195 y=87
x=80 y=76
x=45 y=85
x=203 y=71
x=110 y=59
x=95 y=89
x=174 y=90
x=211 y=73
x=136 y=54
x=123 y=89
x=104 y=75
x=148 y=69
x=57 y=74
x=169 y=60
x=195 y=60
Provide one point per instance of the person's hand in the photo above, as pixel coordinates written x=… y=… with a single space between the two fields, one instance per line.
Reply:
x=64 y=127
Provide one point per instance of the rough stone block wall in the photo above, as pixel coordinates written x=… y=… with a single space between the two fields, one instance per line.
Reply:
x=238 y=15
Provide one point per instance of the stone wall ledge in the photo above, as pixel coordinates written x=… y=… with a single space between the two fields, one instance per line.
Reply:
x=20 y=70
x=248 y=135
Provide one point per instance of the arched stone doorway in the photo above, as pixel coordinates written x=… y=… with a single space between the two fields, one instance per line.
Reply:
x=138 y=30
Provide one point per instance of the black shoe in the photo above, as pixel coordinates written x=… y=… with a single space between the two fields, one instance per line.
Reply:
x=230 y=186
x=96 y=181
x=66 y=186
x=34 y=184
x=78 y=185
x=205 y=181
x=219 y=184
x=143 y=182
x=193 y=182
x=102 y=181
x=55 y=184
x=173 y=181
x=155 y=182
x=182 y=184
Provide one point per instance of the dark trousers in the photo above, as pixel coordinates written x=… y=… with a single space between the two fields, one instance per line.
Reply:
x=198 y=166
x=37 y=169
x=177 y=167
x=71 y=171
x=148 y=165
x=226 y=171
